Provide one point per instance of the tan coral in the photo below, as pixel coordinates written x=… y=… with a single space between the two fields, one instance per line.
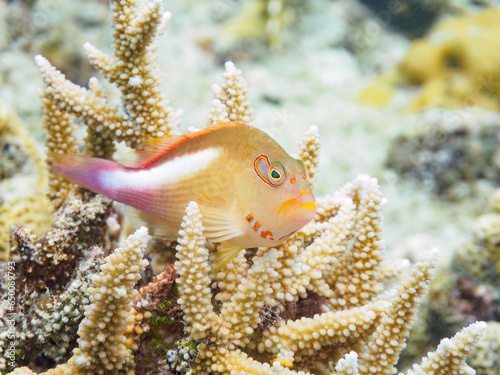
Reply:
x=60 y=139
x=449 y=357
x=327 y=277
x=194 y=280
x=377 y=328
x=144 y=111
x=102 y=344
x=348 y=365
x=356 y=278
x=485 y=356
x=309 y=153
x=382 y=352
x=231 y=101
x=308 y=335
x=137 y=26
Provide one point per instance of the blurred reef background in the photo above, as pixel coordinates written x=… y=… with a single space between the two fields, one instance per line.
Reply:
x=407 y=92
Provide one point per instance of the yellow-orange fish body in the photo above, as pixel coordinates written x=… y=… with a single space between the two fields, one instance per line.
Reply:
x=249 y=190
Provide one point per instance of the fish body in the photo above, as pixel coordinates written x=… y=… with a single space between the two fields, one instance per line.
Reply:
x=249 y=190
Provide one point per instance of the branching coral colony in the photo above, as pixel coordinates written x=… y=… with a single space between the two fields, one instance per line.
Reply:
x=313 y=304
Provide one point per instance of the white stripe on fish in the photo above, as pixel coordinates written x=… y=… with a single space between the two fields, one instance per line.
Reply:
x=169 y=172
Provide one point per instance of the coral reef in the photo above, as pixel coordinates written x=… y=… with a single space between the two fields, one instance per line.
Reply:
x=264 y=20
x=480 y=256
x=103 y=347
x=136 y=30
x=364 y=319
x=464 y=292
x=21 y=160
x=316 y=303
x=52 y=275
x=448 y=358
x=230 y=101
x=485 y=356
x=455 y=65
x=452 y=153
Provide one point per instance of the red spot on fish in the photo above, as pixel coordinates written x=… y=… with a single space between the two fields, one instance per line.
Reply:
x=249 y=217
x=292 y=180
x=256 y=227
x=304 y=177
x=266 y=233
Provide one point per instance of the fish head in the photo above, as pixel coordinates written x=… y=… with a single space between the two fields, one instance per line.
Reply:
x=290 y=203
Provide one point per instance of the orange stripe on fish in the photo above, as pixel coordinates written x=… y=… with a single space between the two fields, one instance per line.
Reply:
x=292 y=200
x=266 y=233
x=308 y=206
x=153 y=149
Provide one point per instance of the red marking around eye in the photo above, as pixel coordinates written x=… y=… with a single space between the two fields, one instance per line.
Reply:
x=292 y=180
x=264 y=234
x=304 y=177
x=256 y=169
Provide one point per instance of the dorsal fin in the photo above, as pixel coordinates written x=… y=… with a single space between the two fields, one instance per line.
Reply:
x=154 y=148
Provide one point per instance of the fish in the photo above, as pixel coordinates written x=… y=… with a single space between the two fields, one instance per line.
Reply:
x=250 y=191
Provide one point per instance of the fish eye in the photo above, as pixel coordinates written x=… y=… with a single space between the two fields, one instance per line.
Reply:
x=273 y=175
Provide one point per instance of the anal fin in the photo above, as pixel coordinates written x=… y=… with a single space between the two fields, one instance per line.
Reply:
x=225 y=253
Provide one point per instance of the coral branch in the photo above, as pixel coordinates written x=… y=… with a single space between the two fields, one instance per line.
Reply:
x=231 y=101
x=194 y=282
x=102 y=344
x=309 y=153
x=383 y=350
x=449 y=357
x=348 y=365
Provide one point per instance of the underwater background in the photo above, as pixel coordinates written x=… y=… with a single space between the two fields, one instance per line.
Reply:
x=407 y=92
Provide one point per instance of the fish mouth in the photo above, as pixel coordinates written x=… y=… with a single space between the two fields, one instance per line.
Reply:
x=296 y=212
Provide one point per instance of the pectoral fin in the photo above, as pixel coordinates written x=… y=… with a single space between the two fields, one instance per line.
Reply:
x=222 y=220
x=225 y=253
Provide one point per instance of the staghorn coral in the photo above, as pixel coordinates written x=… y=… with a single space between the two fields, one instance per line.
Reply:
x=464 y=292
x=374 y=324
x=308 y=305
x=51 y=278
x=450 y=354
x=103 y=347
x=143 y=112
x=230 y=101
x=309 y=153
x=485 y=356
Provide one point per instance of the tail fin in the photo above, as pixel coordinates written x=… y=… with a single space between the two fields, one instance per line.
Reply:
x=84 y=170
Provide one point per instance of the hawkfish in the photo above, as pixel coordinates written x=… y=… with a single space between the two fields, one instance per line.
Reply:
x=250 y=192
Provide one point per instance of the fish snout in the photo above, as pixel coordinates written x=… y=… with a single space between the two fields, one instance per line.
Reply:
x=297 y=212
